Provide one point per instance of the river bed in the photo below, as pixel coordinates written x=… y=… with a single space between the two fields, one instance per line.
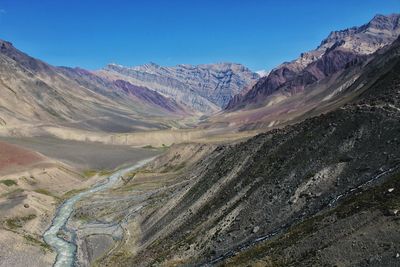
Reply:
x=66 y=249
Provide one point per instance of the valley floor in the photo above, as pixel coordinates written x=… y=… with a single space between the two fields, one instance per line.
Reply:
x=32 y=186
x=83 y=155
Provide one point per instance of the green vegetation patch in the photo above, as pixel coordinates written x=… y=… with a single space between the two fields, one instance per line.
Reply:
x=174 y=168
x=45 y=192
x=18 y=222
x=36 y=242
x=162 y=147
x=31 y=180
x=128 y=177
x=91 y=172
x=8 y=182
x=82 y=217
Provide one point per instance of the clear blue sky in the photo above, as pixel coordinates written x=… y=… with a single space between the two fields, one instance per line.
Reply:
x=259 y=34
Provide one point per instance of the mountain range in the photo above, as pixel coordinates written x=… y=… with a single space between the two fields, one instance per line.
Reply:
x=203 y=88
x=337 y=52
x=36 y=94
x=298 y=166
x=227 y=97
x=314 y=83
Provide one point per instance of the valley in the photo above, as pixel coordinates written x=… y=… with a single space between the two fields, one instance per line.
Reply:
x=207 y=164
x=33 y=188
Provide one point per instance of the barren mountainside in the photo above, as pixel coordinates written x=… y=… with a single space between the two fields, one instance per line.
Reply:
x=35 y=94
x=204 y=88
x=338 y=51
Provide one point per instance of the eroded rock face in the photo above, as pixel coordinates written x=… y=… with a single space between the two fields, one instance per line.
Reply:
x=148 y=95
x=368 y=38
x=205 y=88
x=339 y=50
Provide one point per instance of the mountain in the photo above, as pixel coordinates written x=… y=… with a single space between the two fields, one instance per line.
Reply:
x=35 y=95
x=323 y=192
x=203 y=88
x=262 y=73
x=148 y=96
x=337 y=52
x=130 y=92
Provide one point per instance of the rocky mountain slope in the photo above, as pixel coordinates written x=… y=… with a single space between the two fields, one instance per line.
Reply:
x=34 y=94
x=337 y=52
x=204 y=88
x=282 y=193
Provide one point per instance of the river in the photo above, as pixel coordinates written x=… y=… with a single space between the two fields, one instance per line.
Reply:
x=66 y=250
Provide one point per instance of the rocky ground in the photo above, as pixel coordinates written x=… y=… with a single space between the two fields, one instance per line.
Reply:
x=28 y=200
x=111 y=217
x=361 y=231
